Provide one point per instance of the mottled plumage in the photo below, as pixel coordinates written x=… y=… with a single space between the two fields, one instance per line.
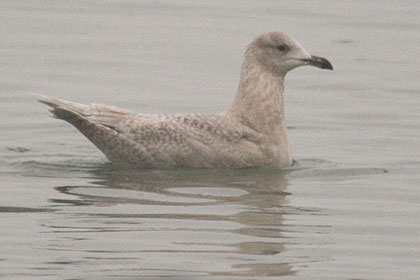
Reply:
x=252 y=132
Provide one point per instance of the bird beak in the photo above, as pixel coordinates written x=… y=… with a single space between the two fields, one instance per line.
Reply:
x=319 y=62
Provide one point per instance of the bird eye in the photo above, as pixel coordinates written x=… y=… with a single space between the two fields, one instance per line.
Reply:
x=282 y=48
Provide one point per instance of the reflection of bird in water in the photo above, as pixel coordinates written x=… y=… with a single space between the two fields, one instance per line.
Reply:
x=237 y=214
x=252 y=132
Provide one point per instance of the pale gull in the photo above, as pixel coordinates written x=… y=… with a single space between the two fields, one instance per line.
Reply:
x=252 y=132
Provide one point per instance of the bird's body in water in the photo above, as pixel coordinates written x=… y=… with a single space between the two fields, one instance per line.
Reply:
x=252 y=132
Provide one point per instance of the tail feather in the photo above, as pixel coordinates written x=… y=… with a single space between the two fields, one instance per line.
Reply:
x=95 y=122
x=108 y=116
x=57 y=104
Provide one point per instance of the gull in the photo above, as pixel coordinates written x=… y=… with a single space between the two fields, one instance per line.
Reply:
x=251 y=133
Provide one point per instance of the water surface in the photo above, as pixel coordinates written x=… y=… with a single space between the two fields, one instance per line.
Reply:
x=348 y=208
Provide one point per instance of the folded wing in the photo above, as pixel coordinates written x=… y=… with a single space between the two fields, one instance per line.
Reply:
x=161 y=141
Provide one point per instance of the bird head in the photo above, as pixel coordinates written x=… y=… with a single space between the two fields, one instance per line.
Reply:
x=279 y=53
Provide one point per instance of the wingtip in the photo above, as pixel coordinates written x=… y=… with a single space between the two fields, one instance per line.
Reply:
x=47 y=100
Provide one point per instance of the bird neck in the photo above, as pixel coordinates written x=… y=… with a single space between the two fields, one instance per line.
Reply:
x=259 y=102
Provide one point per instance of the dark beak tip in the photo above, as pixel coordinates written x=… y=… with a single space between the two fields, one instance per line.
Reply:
x=321 y=62
x=329 y=66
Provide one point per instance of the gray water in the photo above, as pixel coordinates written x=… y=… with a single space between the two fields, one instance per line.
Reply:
x=348 y=209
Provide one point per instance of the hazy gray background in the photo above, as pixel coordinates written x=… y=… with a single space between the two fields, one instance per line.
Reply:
x=349 y=209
